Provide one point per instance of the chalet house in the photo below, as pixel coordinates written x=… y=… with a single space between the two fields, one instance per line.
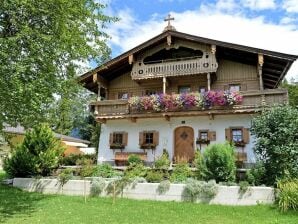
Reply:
x=178 y=92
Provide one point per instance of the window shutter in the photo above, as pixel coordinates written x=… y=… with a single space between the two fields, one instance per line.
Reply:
x=245 y=132
x=228 y=134
x=155 y=138
x=141 y=138
x=111 y=138
x=125 y=138
x=211 y=135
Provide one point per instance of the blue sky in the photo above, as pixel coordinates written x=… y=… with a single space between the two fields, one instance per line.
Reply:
x=267 y=24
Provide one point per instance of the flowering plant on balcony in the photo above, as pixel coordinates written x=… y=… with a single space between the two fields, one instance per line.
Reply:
x=165 y=102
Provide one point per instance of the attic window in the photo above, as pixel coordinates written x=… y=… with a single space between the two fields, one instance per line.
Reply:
x=182 y=53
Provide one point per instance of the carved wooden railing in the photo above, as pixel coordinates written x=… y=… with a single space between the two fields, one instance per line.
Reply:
x=174 y=68
x=251 y=100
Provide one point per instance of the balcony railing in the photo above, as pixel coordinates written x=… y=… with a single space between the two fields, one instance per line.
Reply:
x=252 y=100
x=168 y=68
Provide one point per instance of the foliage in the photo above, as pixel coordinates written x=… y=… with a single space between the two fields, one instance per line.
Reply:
x=180 y=173
x=74 y=159
x=292 y=92
x=65 y=176
x=105 y=170
x=163 y=187
x=97 y=186
x=195 y=189
x=165 y=102
x=16 y=207
x=42 y=44
x=287 y=194
x=134 y=159
x=162 y=162
x=39 y=154
x=199 y=164
x=220 y=162
x=255 y=175
x=277 y=142
x=87 y=168
x=154 y=176
x=243 y=187
x=135 y=170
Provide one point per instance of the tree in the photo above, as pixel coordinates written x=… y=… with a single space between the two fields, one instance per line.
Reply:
x=42 y=44
x=39 y=154
x=276 y=132
x=292 y=91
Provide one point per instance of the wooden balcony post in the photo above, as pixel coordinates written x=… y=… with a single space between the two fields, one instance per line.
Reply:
x=208 y=80
x=260 y=70
x=98 y=91
x=164 y=82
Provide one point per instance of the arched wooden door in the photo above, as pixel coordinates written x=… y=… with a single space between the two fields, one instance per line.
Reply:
x=184 y=144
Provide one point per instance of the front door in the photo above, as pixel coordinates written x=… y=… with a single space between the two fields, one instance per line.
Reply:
x=184 y=144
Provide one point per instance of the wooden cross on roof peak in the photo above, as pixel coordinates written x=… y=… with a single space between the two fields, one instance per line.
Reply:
x=169 y=26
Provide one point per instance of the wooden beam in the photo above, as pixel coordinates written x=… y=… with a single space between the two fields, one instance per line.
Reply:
x=169 y=40
x=270 y=80
x=130 y=59
x=213 y=48
x=272 y=70
x=271 y=76
x=102 y=120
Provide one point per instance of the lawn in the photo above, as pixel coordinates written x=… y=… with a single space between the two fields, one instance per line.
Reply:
x=17 y=206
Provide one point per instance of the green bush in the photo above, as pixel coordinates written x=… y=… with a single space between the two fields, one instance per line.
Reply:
x=199 y=164
x=87 y=168
x=135 y=170
x=105 y=170
x=243 y=187
x=154 y=176
x=74 y=159
x=162 y=162
x=180 y=173
x=287 y=197
x=256 y=175
x=163 y=187
x=276 y=142
x=220 y=162
x=65 y=176
x=38 y=155
x=97 y=186
x=134 y=159
x=195 y=189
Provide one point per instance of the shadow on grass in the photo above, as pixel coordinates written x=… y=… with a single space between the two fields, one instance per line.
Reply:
x=14 y=202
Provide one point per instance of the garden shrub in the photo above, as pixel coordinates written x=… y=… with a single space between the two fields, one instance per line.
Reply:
x=199 y=164
x=220 y=162
x=287 y=197
x=154 y=176
x=38 y=155
x=195 y=189
x=74 y=159
x=162 y=162
x=256 y=175
x=87 y=168
x=105 y=170
x=163 y=187
x=180 y=173
x=243 y=187
x=277 y=142
x=135 y=170
x=65 y=176
x=97 y=186
x=134 y=159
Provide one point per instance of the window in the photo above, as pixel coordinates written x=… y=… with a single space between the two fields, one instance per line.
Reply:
x=203 y=135
x=149 y=138
x=123 y=95
x=202 y=90
x=118 y=138
x=237 y=135
x=184 y=89
x=235 y=87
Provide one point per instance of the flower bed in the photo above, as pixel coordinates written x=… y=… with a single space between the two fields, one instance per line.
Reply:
x=166 y=102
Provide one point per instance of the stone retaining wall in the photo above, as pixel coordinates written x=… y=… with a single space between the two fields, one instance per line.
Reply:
x=226 y=195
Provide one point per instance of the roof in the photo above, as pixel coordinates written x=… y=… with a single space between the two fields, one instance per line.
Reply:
x=276 y=64
x=21 y=130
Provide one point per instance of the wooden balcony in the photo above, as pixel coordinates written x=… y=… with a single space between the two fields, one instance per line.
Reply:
x=187 y=66
x=253 y=101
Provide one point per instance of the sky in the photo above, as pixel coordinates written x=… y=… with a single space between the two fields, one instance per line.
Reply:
x=265 y=24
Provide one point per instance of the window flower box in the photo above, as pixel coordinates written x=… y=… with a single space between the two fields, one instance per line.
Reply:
x=117 y=146
x=202 y=141
x=148 y=146
x=239 y=143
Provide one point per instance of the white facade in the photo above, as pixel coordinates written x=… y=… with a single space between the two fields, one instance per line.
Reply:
x=166 y=133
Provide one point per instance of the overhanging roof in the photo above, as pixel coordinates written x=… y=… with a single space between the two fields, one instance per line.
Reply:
x=275 y=67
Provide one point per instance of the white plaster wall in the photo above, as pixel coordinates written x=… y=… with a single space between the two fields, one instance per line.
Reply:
x=166 y=133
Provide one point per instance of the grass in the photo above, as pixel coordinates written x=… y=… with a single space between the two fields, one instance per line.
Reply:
x=17 y=206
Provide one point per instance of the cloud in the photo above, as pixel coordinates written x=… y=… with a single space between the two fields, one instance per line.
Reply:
x=259 y=4
x=224 y=22
x=290 y=6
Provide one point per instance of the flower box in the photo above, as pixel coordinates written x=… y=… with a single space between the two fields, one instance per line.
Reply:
x=117 y=146
x=148 y=146
x=239 y=143
x=202 y=141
